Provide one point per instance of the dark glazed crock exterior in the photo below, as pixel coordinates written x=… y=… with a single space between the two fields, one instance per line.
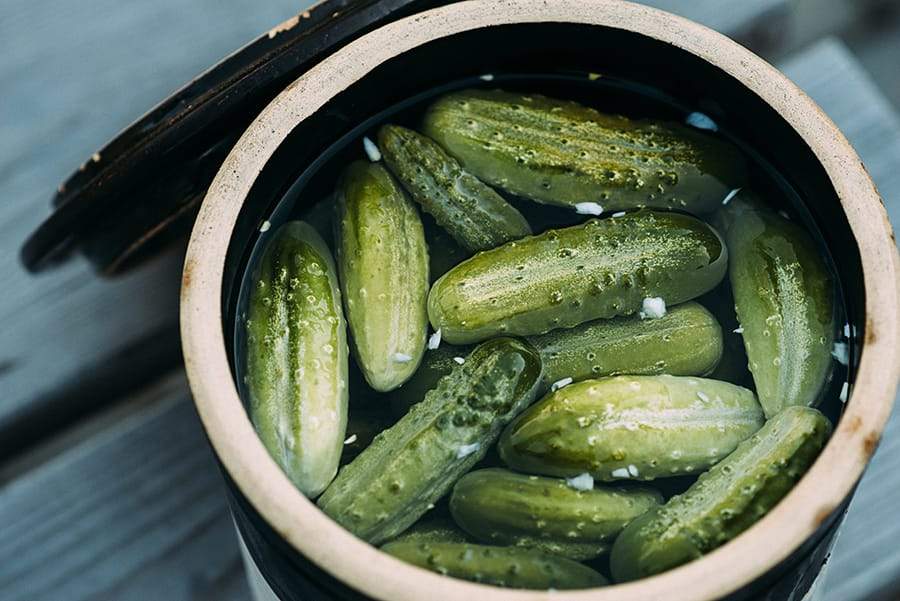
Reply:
x=610 y=38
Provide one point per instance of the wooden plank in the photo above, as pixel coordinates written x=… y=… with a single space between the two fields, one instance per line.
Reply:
x=866 y=557
x=75 y=73
x=136 y=511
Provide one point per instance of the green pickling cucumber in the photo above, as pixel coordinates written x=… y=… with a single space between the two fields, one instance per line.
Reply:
x=725 y=501
x=686 y=341
x=414 y=463
x=383 y=264
x=297 y=357
x=784 y=298
x=562 y=153
x=501 y=507
x=472 y=212
x=510 y=567
x=433 y=530
x=561 y=278
x=638 y=427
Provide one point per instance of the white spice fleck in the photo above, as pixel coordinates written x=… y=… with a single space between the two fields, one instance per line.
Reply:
x=622 y=472
x=350 y=439
x=401 y=358
x=841 y=353
x=581 y=482
x=487 y=77
x=619 y=214
x=845 y=389
x=434 y=340
x=467 y=449
x=588 y=208
x=371 y=150
x=653 y=308
x=560 y=384
x=265 y=226
x=730 y=195
x=459 y=360
x=701 y=121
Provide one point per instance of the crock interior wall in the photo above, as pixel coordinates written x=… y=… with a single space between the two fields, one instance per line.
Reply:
x=547 y=47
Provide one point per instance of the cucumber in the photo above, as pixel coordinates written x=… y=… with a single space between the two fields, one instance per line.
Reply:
x=500 y=566
x=784 y=298
x=440 y=529
x=297 y=357
x=631 y=427
x=725 y=501
x=501 y=507
x=383 y=263
x=561 y=278
x=414 y=463
x=686 y=341
x=473 y=213
x=562 y=153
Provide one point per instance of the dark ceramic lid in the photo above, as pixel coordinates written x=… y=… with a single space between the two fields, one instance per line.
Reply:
x=143 y=189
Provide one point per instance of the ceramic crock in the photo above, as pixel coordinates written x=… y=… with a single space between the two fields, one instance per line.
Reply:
x=300 y=552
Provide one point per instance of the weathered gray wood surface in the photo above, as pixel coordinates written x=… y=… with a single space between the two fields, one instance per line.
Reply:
x=135 y=511
x=74 y=73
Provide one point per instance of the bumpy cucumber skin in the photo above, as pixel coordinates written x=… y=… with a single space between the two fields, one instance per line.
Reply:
x=784 y=298
x=297 y=357
x=415 y=462
x=433 y=530
x=383 y=263
x=686 y=341
x=500 y=507
x=561 y=278
x=509 y=567
x=473 y=213
x=657 y=425
x=725 y=501
x=562 y=153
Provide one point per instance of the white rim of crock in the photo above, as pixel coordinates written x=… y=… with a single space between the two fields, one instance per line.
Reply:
x=380 y=576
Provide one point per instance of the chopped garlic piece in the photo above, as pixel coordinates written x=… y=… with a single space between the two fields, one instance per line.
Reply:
x=845 y=389
x=633 y=470
x=487 y=77
x=701 y=121
x=371 y=150
x=560 y=384
x=619 y=214
x=581 y=482
x=434 y=340
x=467 y=449
x=653 y=308
x=265 y=226
x=622 y=472
x=738 y=330
x=350 y=439
x=730 y=195
x=459 y=360
x=588 y=208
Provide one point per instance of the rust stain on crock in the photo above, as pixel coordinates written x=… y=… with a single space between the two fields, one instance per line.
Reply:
x=186 y=275
x=853 y=424
x=870 y=443
x=822 y=516
x=870 y=332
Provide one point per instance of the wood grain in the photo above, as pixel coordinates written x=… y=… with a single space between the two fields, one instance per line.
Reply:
x=136 y=511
